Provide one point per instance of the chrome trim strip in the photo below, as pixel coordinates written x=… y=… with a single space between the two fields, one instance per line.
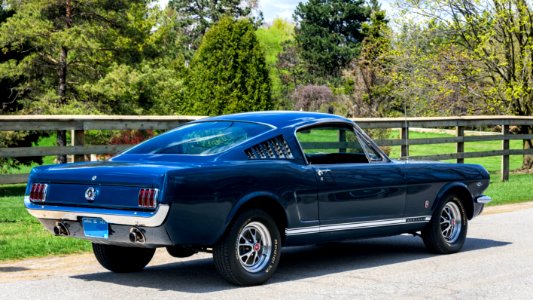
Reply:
x=113 y=216
x=483 y=199
x=356 y=225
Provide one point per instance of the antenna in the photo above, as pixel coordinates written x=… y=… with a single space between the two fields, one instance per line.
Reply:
x=406 y=127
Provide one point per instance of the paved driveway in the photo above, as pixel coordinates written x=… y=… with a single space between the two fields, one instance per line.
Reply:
x=497 y=262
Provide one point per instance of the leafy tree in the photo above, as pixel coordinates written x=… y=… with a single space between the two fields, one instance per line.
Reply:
x=228 y=73
x=328 y=33
x=194 y=18
x=373 y=92
x=497 y=33
x=272 y=39
x=74 y=45
x=313 y=98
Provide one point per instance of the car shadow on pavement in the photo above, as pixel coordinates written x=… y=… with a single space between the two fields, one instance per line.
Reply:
x=200 y=275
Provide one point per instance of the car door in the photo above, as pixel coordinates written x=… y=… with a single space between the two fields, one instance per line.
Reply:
x=358 y=187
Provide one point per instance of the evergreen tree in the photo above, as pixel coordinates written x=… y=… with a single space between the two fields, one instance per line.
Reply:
x=194 y=18
x=74 y=44
x=328 y=33
x=229 y=72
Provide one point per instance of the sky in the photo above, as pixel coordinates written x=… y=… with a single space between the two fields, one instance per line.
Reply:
x=283 y=8
x=278 y=9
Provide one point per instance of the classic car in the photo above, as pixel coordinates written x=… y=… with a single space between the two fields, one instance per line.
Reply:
x=242 y=186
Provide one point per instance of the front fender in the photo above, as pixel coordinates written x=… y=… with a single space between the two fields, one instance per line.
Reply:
x=461 y=190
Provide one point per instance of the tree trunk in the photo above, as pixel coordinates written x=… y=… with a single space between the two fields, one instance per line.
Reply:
x=527 y=163
x=62 y=82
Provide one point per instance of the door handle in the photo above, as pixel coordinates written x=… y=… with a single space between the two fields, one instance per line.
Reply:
x=321 y=172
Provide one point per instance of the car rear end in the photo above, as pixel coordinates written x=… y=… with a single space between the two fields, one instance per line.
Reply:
x=109 y=203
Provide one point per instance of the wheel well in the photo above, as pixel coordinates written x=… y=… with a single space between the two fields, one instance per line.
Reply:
x=271 y=207
x=465 y=198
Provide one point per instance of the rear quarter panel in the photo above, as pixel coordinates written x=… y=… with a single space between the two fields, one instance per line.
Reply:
x=204 y=200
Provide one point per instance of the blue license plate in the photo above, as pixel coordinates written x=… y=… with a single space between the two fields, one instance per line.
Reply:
x=95 y=228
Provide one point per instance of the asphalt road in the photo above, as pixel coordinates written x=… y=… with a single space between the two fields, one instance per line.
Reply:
x=496 y=262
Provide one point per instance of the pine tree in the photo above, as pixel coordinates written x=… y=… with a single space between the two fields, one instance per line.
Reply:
x=328 y=33
x=229 y=72
x=194 y=18
x=74 y=44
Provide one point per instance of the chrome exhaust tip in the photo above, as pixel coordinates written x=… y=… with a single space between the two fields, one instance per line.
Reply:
x=61 y=229
x=136 y=236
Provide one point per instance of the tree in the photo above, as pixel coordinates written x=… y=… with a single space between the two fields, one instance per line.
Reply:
x=194 y=18
x=228 y=73
x=373 y=91
x=74 y=44
x=497 y=33
x=328 y=33
x=272 y=39
x=313 y=98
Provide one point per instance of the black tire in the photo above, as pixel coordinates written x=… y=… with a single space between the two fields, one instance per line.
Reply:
x=122 y=259
x=446 y=232
x=254 y=232
x=180 y=252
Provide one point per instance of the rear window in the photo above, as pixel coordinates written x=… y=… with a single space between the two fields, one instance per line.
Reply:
x=203 y=138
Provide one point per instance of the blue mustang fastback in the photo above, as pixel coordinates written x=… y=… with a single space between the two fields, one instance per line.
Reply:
x=243 y=185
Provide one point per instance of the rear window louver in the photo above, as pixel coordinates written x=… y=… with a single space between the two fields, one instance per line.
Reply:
x=275 y=148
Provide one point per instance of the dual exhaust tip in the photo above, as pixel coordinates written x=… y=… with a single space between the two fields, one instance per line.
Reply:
x=136 y=235
x=61 y=229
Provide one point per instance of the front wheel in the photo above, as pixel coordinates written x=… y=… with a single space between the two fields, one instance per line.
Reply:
x=122 y=259
x=446 y=232
x=249 y=252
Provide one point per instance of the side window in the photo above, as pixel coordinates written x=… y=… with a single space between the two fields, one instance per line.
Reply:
x=331 y=145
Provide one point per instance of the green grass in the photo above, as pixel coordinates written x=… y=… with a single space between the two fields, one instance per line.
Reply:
x=491 y=163
x=47 y=160
x=517 y=189
x=22 y=236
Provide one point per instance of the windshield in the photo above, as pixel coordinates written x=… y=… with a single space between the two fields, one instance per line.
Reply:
x=203 y=138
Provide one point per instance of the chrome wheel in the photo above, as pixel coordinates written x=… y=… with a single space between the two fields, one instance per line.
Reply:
x=254 y=247
x=451 y=222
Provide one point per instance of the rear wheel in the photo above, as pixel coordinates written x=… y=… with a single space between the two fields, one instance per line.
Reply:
x=122 y=259
x=446 y=232
x=249 y=252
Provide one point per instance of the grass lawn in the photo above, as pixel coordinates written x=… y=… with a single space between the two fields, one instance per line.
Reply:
x=22 y=236
x=491 y=163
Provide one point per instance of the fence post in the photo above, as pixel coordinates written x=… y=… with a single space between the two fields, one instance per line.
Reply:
x=404 y=132
x=460 y=144
x=505 y=156
x=78 y=139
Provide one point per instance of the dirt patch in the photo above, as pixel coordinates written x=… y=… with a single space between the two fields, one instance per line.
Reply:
x=507 y=208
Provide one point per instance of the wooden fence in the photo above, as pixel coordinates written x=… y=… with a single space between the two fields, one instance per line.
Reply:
x=79 y=124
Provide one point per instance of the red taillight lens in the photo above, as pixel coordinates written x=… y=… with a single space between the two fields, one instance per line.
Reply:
x=147 y=198
x=38 y=192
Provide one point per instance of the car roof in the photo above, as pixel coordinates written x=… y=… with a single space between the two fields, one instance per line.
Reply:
x=280 y=119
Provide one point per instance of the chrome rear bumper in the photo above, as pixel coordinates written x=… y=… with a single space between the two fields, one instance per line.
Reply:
x=113 y=216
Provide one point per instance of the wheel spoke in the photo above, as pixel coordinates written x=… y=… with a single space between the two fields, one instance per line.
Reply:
x=254 y=247
x=451 y=222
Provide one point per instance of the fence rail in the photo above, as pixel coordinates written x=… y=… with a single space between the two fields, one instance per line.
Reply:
x=79 y=124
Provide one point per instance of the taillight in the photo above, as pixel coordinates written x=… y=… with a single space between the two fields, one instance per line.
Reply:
x=38 y=192
x=147 y=198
